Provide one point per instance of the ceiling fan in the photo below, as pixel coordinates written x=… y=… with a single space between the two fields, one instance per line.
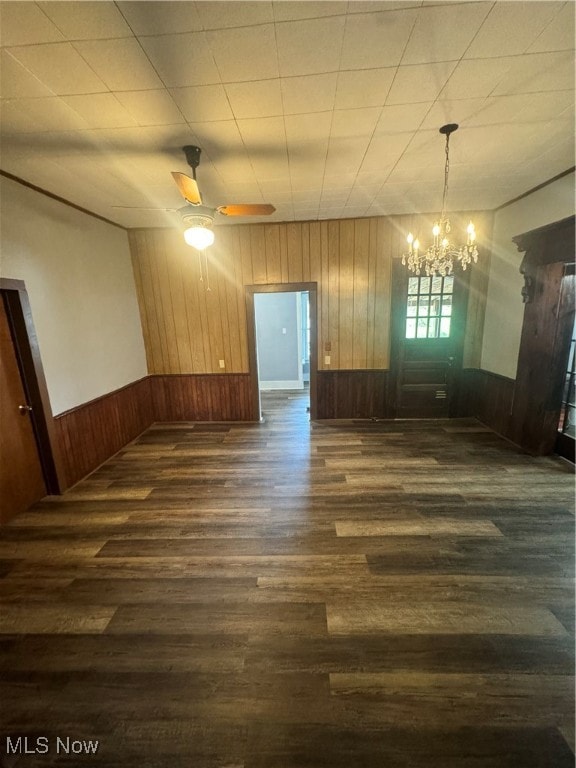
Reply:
x=198 y=217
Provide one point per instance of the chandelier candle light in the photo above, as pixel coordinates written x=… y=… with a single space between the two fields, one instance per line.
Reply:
x=438 y=258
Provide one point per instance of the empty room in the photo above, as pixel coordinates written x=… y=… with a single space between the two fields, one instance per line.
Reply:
x=287 y=371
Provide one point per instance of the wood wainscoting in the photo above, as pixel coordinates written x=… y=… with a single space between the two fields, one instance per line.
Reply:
x=93 y=432
x=199 y=397
x=489 y=398
x=353 y=394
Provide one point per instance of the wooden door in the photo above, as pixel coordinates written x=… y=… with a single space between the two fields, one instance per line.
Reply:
x=21 y=477
x=428 y=328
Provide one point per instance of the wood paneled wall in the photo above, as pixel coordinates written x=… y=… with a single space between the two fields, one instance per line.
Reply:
x=488 y=397
x=202 y=398
x=353 y=394
x=91 y=433
x=189 y=329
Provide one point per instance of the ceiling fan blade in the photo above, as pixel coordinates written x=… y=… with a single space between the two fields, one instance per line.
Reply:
x=188 y=188
x=248 y=209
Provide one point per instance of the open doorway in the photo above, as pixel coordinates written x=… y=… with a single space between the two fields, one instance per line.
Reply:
x=282 y=340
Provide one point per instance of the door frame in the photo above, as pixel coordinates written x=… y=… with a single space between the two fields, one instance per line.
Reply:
x=400 y=275
x=14 y=295
x=250 y=290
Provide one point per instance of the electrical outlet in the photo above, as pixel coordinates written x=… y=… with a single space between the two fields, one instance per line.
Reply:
x=222 y=363
x=326 y=359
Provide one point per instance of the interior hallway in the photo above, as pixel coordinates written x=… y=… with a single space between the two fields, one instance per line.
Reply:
x=281 y=595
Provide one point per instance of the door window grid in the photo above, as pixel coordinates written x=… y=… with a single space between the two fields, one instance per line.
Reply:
x=429 y=307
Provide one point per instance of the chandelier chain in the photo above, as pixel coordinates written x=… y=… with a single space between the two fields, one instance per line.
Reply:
x=446 y=173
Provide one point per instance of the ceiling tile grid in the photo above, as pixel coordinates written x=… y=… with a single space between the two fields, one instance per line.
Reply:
x=324 y=109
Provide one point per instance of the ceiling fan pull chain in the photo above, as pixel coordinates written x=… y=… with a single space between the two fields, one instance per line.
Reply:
x=207 y=275
x=200 y=266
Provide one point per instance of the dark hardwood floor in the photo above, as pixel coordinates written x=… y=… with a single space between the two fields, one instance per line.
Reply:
x=287 y=595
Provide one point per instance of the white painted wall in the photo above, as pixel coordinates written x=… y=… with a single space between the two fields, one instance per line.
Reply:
x=504 y=307
x=278 y=340
x=79 y=278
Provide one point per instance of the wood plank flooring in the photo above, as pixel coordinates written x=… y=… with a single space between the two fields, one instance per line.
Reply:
x=288 y=595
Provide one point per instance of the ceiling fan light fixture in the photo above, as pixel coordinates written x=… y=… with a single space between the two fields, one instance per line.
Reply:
x=199 y=236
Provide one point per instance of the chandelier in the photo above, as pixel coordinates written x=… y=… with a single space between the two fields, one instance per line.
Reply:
x=439 y=257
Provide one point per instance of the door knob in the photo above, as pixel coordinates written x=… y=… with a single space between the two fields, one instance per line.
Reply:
x=25 y=409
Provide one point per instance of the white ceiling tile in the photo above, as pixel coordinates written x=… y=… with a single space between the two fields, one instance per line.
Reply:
x=473 y=79
x=60 y=67
x=311 y=127
x=355 y=211
x=307 y=9
x=222 y=14
x=261 y=134
x=51 y=114
x=420 y=82
x=363 y=88
x=270 y=168
x=307 y=161
x=15 y=120
x=310 y=47
x=245 y=53
x=384 y=150
x=325 y=143
x=155 y=107
x=182 y=59
x=559 y=34
x=201 y=103
x=536 y=72
x=100 y=110
x=451 y=111
x=402 y=117
x=371 y=6
x=238 y=170
x=346 y=154
x=161 y=18
x=340 y=180
x=87 y=20
x=354 y=123
x=259 y=98
x=26 y=24
x=444 y=32
x=502 y=32
x=522 y=108
x=219 y=139
x=406 y=172
x=17 y=81
x=308 y=93
x=375 y=40
x=121 y=64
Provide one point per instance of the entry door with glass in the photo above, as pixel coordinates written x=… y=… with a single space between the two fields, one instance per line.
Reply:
x=427 y=352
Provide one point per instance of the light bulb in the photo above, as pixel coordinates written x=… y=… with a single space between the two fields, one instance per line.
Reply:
x=199 y=237
x=416 y=245
x=445 y=243
x=410 y=238
x=436 y=230
x=470 y=229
